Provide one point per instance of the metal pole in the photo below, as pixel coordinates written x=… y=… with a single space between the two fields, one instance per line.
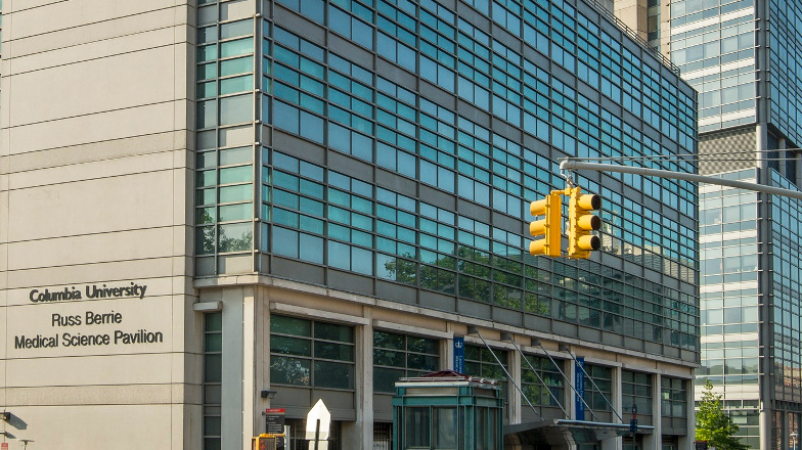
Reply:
x=568 y=380
x=597 y=388
x=569 y=164
x=505 y=371
x=559 y=403
x=317 y=433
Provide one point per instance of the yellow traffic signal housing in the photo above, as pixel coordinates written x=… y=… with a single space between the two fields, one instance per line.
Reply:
x=580 y=223
x=549 y=226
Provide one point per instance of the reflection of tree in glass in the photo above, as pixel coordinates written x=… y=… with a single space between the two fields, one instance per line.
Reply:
x=403 y=270
x=537 y=395
x=206 y=233
x=226 y=244
x=289 y=371
x=234 y=244
x=474 y=278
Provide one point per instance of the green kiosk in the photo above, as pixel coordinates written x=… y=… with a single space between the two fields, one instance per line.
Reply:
x=451 y=411
x=448 y=411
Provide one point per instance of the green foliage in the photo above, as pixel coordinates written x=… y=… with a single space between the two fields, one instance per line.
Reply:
x=714 y=425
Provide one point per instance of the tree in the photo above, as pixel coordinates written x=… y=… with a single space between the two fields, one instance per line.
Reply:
x=714 y=425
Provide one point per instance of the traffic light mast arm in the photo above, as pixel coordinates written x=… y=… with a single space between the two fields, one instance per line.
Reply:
x=570 y=165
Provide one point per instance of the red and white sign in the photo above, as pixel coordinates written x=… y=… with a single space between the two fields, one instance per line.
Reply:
x=275 y=411
x=4 y=446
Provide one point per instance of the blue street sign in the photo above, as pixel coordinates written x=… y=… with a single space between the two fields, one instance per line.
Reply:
x=459 y=354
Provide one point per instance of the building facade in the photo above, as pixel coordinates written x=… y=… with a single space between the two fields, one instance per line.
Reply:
x=234 y=205
x=741 y=58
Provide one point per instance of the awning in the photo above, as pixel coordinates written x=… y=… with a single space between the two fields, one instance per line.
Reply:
x=562 y=433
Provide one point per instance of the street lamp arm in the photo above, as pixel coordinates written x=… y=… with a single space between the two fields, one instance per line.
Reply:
x=571 y=164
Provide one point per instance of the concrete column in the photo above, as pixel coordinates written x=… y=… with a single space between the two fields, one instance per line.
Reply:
x=231 y=408
x=654 y=441
x=765 y=426
x=447 y=348
x=514 y=367
x=569 y=368
x=687 y=442
x=359 y=435
x=615 y=400
x=250 y=396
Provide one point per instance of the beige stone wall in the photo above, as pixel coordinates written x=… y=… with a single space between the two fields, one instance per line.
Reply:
x=96 y=188
x=634 y=14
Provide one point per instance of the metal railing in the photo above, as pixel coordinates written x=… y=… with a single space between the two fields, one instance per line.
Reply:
x=633 y=34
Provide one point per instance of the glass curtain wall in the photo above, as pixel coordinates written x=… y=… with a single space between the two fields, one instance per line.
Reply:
x=225 y=115
x=730 y=315
x=332 y=219
x=713 y=43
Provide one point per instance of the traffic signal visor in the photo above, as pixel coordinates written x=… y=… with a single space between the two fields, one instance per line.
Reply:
x=549 y=226
x=580 y=224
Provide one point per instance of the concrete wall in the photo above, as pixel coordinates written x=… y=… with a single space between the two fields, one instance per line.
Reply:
x=95 y=189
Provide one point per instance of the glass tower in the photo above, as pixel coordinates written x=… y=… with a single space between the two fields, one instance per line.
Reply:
x=741 y=56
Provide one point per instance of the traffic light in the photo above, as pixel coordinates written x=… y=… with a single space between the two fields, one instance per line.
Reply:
x=581 y=223
x=549 y=226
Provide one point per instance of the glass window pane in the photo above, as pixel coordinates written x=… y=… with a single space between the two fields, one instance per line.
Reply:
x=388 y=340
x=328 y=350
x=235 y=66
x=384 y=379
x=291 y=346
x=236 y=237
x=284 y=370
x=213 y=342
x=236 y=155
x=206 y=178
x=238 y=193
x=418 y=427
x=290 y=325
x=236 y=48
x=237 y=84
x=334 y=332
x=213 y=368
x=236 y=109
x=334 y=375
x=445 y=422
x=204 y=240
x=388 y=358
x=208 y=34
x=236 y=29
x=311 y=248
x=212 y=394
x=207 y=114
x=214 y=322
x=236 y=212
x=207 y=14
x=236 y=174
x=207 y=89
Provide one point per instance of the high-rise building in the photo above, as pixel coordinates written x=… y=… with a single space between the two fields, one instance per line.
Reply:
x=741 y=58
x=211 y=208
